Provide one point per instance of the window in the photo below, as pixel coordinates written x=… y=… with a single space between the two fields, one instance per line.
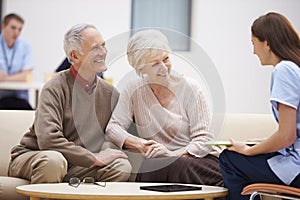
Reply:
x=1 y=13
x=172 y=17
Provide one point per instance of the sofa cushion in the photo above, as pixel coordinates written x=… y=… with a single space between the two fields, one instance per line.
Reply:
x=243 y=126
x=13 y=125
x=8 y=188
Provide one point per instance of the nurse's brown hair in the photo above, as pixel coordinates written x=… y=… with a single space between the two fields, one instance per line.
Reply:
x=280 y=35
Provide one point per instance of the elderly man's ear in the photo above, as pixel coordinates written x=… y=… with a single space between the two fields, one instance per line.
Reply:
x=74 y=55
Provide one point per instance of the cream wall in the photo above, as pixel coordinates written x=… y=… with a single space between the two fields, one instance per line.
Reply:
x=221 y=28
x=46 y=22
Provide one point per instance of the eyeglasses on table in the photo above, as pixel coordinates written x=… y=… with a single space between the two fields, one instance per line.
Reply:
x=75 y=182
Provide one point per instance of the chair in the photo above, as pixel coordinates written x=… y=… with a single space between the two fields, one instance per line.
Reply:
x=271 y=190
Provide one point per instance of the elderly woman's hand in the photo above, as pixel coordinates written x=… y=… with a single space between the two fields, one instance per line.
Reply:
x=143 y=145
x=138 y=144
x=156 y=149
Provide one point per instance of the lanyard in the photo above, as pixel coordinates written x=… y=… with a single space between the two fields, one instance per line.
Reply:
x=8 y=64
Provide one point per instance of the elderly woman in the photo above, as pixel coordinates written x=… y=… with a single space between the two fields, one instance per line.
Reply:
x=171 y=115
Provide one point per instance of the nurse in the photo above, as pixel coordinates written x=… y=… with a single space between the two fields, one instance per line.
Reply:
x=277 y=158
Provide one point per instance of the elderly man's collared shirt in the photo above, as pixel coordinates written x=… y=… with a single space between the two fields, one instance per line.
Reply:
x=89 y=88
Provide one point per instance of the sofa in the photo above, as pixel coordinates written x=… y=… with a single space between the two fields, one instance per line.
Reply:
x=15 y=123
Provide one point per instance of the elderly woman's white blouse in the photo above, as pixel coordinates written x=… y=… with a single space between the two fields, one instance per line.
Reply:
x=184 y=123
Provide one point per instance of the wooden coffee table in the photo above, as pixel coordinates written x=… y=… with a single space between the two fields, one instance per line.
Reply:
x=114 y=191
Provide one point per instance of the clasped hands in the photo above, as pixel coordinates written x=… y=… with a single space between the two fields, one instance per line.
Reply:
x=152 y=149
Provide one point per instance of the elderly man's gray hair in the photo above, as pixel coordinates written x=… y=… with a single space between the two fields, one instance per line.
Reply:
x=73 y=39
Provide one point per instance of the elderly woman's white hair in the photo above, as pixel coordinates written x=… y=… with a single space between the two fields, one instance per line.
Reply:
x=144 y=44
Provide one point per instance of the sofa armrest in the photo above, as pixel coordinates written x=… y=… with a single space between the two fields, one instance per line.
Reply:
x=14 y=124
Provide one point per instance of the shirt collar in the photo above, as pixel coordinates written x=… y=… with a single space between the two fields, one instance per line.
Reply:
x=89 y=88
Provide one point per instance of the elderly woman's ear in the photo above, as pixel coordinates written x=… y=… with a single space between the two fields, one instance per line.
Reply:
x=141 y=71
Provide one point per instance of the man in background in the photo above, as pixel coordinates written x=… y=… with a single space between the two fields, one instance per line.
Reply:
x=16 y=63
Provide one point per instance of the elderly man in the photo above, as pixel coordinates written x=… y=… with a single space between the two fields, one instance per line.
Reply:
x=67 y=136
x=16 y=62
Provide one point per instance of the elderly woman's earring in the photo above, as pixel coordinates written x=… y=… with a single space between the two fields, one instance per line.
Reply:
x=143 y=75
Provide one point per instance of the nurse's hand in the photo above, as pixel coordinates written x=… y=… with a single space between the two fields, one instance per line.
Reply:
x=239 y=147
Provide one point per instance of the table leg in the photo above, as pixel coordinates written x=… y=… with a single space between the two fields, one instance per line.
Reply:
x=35 y=198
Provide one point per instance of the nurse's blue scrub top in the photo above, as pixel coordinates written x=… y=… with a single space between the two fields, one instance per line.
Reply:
x=285 y=89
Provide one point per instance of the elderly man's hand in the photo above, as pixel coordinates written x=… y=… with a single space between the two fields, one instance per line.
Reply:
x=107 y=156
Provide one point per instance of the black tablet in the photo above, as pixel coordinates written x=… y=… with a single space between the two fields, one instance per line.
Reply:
x=170 y=188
